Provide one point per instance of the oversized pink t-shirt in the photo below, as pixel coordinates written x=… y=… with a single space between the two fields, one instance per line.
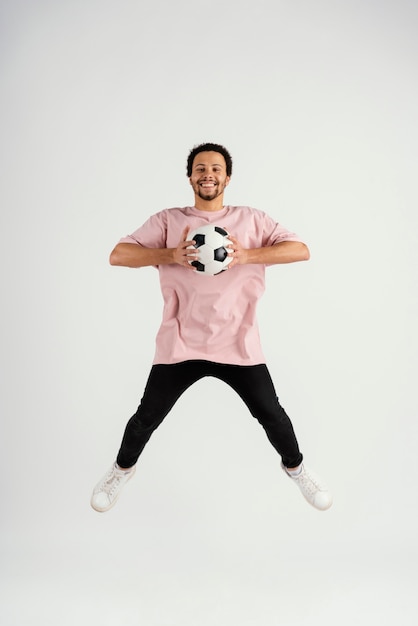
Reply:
x=210 y=317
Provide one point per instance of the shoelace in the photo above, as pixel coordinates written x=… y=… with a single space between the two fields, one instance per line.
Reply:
x=111 y=482
x=308 y=483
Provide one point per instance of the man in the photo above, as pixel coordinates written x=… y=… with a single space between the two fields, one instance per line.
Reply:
x=209 y=326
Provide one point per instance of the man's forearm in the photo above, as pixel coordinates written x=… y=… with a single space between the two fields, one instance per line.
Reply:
x=284 y=252
x=134 y=255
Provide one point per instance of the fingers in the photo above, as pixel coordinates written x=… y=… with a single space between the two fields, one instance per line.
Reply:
x=184 y=240
x=185 y=253
x=234 y=248
x=185 y=233
x=236 y=252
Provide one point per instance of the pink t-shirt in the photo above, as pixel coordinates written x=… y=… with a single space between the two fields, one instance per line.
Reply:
x=210 y=317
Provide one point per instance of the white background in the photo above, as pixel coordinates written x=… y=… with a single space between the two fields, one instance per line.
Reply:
x=101 y=103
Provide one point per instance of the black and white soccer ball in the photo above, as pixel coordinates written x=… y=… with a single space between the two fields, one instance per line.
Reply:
x=212 y=244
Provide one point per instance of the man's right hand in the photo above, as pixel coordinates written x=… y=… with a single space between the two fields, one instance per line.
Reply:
x=184 y=254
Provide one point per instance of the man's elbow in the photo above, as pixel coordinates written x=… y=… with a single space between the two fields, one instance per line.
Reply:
x=305 y=254
x=115 y=257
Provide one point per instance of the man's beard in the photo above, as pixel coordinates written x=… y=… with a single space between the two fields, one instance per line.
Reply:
x=209 y=195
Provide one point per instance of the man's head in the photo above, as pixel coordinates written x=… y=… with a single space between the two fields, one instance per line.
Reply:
x=209 y=168
x=209 y=147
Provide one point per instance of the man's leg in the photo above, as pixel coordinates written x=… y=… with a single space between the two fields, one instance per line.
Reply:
x=165 y=385
x=255 y=387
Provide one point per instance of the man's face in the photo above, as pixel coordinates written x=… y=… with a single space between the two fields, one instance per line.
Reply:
x=209 y=177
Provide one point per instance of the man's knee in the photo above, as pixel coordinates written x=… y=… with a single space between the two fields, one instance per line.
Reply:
x=148 y=419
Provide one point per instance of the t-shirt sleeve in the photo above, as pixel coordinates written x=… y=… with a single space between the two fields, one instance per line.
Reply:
x=152 y=234
x=273 y=232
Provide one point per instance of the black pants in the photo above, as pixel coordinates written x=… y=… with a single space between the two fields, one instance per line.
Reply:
x=166 y=383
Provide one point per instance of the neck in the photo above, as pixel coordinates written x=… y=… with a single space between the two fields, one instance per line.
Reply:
x=209 y=205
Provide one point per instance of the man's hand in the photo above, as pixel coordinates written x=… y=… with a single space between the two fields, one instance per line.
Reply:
x=237 y=252
x=183 y=254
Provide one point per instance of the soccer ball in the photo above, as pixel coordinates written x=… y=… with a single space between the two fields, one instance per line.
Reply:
x=212 y=243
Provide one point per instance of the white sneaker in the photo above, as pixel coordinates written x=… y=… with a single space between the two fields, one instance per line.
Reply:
x=108 y=490
x=311 y=488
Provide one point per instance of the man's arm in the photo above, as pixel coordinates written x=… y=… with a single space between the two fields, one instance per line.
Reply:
x=283 y=252
x=135 y=255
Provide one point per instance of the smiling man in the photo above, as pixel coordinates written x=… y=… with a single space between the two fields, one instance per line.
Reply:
x=209 y=174
x=209 y=326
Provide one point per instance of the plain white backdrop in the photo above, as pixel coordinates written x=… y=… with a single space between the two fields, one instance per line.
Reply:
x=101 y=103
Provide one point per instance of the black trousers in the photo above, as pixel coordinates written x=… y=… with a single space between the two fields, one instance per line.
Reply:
x=166 y=383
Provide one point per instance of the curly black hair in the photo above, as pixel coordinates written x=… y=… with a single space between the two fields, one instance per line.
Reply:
x=209 y=147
